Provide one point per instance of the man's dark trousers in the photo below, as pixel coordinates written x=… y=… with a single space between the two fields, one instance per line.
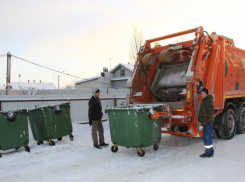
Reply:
x=207 y=137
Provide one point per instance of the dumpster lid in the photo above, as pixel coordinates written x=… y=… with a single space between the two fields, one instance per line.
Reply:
x=138 y=106
x=54 y=105
x=14 y=111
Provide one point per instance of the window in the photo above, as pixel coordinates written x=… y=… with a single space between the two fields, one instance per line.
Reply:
x=122 y=72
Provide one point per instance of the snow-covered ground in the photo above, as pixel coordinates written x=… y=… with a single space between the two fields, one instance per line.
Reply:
x=177 y=159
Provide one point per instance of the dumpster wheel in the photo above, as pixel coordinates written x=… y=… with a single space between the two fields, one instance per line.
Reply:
x=114 y=148
x=0 y=155
x=27 y=148
x=155 y=147
x=59 y=139
x=51 y=142
x=39 y=142
x=17 y=148
x=140 y=152
x=71 y=137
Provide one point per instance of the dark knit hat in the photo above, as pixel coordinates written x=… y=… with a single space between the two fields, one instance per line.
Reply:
x=205 y=90
x=97 y=91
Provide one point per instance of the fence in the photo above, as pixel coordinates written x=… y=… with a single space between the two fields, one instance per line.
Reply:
x=79 y=102
x=67 y=92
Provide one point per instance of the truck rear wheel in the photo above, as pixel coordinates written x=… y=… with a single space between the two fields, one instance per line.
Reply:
x=228 y=129
x=215 y=134
x=241 y=121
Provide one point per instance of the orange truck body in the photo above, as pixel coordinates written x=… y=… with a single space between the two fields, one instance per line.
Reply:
x=207 y=61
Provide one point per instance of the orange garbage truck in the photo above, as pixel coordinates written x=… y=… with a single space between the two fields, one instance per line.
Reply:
x=173 y=69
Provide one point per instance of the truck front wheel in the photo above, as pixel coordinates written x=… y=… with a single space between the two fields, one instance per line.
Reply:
x=228 y=129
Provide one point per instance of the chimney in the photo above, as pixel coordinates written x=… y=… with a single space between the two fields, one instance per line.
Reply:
x=40 y=81
x=28 y=80
x=33 y=81
x=105 y=69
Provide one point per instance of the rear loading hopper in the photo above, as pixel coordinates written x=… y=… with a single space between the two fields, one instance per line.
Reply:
x=165 y=74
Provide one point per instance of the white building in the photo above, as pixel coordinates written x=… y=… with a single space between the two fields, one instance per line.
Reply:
x=115 y=78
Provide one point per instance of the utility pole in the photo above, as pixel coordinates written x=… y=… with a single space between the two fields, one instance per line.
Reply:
x=19 y=81
x=110 y=62
x=8 y=86
x=59 y=82
x=59 y=79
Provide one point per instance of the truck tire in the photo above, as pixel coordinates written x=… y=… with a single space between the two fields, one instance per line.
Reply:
x=240 y=125
x=228 y=129
x=215 y=134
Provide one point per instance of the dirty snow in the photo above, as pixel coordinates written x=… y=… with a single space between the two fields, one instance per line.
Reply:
x=173 y=78
x=177 y=159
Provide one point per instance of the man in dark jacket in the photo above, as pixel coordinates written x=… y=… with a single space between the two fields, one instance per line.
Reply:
x=95 y=114
x=206 y=117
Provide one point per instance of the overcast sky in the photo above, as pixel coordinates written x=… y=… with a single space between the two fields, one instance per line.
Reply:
x=78 y=37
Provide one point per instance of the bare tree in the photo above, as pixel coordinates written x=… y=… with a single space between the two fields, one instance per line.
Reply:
x=137 y=40
x=70 y=85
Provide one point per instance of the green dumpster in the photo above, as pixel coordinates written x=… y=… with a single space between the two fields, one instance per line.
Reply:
x=132 y=127
x=14 y=130
x=51 y=122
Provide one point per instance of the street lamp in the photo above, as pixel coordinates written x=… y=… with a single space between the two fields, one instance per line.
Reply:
x=59 y=80
x=19 y=81
x=110 y=62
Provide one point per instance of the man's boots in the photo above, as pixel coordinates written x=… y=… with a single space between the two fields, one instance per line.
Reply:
x=104 y=144
x=97 y=146
x=205 y=155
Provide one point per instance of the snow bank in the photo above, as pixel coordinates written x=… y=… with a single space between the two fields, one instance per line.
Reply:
x=177 y=159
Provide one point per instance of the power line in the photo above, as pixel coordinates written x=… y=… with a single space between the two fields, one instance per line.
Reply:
x=62 y=67
x=45 y=67
x=2 y=55
x=84 y=79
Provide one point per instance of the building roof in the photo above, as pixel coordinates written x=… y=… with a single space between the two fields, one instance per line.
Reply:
x=127 y=66
x=32 y=85
x=89 y=79
x=120 y=78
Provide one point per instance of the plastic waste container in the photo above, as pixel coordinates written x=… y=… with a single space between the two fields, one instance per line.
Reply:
x=14 y=130
x=132 y=127
x=51 y=122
